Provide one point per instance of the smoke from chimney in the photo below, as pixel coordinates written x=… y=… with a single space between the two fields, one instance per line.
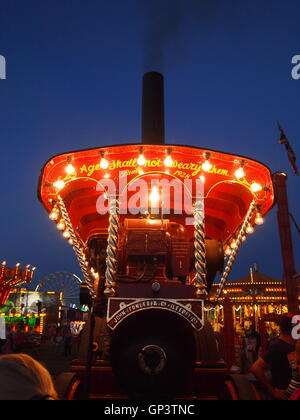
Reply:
x=165 y=27
x=171 y=24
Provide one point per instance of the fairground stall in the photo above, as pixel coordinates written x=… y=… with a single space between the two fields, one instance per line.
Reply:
x=34 y=311
x=252 y=297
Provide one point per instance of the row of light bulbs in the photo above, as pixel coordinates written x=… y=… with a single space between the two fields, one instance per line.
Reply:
x=168 y=162
x=259 y=220
x=18 y=265
x=60 y=224
x=55 y=216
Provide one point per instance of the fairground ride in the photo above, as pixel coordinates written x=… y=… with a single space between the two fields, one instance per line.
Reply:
x=12 y=278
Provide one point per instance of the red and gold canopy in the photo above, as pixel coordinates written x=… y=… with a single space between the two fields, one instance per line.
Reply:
x=231 y=183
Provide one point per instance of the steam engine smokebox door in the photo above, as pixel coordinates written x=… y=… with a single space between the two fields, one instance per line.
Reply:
x=153 y=354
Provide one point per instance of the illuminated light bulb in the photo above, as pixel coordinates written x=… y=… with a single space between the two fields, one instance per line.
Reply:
x=141 y=159
x=244 y=238
x=67 y=234
x=228 y=251
x=168 y=162
x=154 y=196
x=54 y=215
x=259 y=220
x=106 y=176
x=18 y=264
x=61 y=225
x=250 y=229
x=240 y=173
x=4 y=263
x=255 y=187
x=70 y=170
x=71 y=242
x=141 y=172
x=233 y=245
x=207 y=166
x=33 y=269
x=104 y=163
x=59 y=184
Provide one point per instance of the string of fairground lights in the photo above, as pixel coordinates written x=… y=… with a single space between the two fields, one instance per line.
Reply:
x=55 y=216
x=168 y=162
x=236 y=249
x=76 y=246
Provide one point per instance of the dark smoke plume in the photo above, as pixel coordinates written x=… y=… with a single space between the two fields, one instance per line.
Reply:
x=170 y=23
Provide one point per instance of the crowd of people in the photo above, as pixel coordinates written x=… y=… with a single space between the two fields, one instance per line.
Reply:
x=16 y=340
x=277 y=371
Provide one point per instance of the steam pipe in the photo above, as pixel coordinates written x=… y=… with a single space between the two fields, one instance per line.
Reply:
x=153 y=125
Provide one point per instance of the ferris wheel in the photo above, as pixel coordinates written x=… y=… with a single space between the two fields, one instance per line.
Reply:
x=62 y=282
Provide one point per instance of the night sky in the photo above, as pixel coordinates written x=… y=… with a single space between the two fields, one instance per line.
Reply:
x=74 y=70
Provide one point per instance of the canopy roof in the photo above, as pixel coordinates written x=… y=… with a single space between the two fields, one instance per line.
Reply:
x=254 y=288
x=256 y=278
x=227 y=197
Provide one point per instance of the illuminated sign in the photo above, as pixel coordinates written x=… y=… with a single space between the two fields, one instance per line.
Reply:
x=194 y=168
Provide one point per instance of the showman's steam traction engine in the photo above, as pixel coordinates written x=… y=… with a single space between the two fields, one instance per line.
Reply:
x=151 y=225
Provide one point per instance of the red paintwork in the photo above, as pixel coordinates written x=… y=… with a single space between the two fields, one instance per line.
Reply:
x=226 y=199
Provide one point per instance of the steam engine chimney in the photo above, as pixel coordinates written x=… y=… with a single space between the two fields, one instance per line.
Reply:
x=153 y=125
